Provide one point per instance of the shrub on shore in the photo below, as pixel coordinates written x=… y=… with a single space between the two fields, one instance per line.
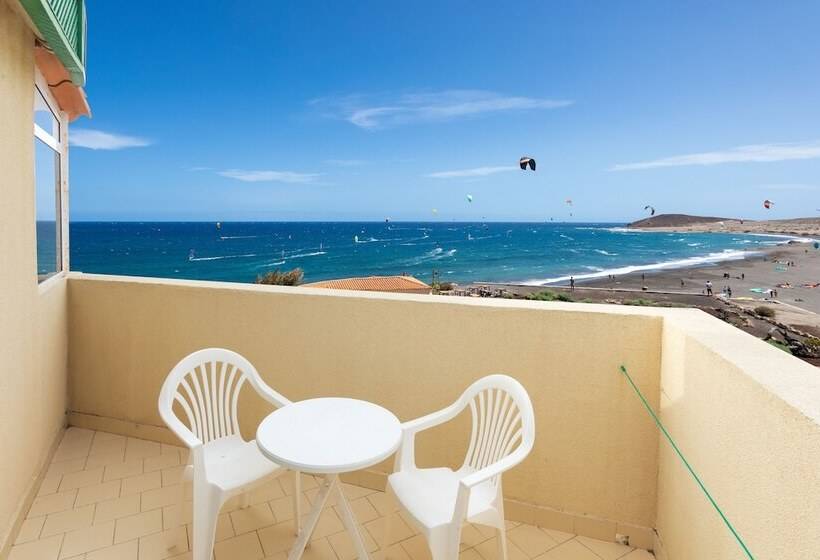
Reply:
x=278 y=278
x=547 y=295
x=764 y=311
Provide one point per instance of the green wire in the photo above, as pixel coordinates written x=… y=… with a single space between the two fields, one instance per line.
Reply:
x=686 y=463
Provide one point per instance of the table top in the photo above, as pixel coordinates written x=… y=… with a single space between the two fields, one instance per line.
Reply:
x=329 y=435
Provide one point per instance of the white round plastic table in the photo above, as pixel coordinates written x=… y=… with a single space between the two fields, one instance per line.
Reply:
x=329 y=436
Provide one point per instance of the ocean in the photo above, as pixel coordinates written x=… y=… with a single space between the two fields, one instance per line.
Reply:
x=526 y=253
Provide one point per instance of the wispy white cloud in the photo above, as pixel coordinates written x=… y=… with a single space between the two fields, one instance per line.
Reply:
x=99 y=140
x=788 y=187
x=346 y=162
x=740 y=154
x=269 y=176
x=199 y=168
x=474 y=172
x=374 y=112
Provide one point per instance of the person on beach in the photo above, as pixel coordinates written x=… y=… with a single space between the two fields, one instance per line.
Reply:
x=571 y=284
x=729 y=291
x=708 y=287
x=682 y=283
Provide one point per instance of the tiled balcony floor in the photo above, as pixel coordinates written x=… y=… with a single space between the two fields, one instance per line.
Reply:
x=107 y=497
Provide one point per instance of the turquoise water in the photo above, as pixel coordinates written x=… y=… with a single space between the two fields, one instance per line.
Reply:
x=532 y=253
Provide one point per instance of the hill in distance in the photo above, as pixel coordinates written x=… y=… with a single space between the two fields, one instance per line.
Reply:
x=675 y=220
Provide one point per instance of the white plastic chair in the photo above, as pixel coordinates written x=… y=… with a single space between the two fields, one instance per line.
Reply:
x=440 y=500
x=206 y=386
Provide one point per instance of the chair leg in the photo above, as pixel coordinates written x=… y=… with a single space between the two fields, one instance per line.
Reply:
x=206 y=510
x=445 y=545
x=297 y=501
x=502 y=543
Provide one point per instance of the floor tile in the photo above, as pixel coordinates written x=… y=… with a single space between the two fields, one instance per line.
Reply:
x=319 y=550
x=606 y=550
x=252 y=518
x=123 y=551
x=531 y=540
x=363 y=510
x=171 y=475
x=159 y=462
x=161 y=497
x=398 y=530
x=139 y=525
x=141 y=483
x=50 y=484
x=68 y=520
x=167 y=544
x=110 y=510
x=570 y=550
x=105 y=446
x=81 y=479
x=64 y=467
x=43 y=549
x=277 y=538
x=638 y=554
x=30 y=530
x=489 y=550
x=418 y=549
x=124 y=469
x=98 y=493
x=246 y=547
x=342 y=544
x=283 y=507
x=88 y=539
x=140 y=449
x=270 y=490
x=104 y=459
x=558 y=536
x=52 y=503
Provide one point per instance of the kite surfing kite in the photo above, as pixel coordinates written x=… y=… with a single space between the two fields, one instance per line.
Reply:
x=569 y=201
x=435 y=210
x=767 y=204
x=525 y=161
x=651 y=209
x=469 y=198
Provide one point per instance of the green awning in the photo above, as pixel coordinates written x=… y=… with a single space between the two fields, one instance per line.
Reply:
x=62 y=26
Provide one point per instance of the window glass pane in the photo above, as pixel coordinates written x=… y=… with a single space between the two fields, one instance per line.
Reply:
x=47 y=183
x=43 y=117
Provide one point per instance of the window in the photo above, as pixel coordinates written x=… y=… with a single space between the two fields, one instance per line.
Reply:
x=48 y=153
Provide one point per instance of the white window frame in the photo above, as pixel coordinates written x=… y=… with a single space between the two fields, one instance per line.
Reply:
x=60 y=145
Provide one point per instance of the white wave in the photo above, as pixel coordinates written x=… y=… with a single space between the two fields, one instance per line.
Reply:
x=369 y=240
x=566 y=237
x=239 y=237
x=194 y=259
x=607 y=253
x=300 y=255
x=726 y=255
x=277 y=263
x=694 y=244
x=594 y=268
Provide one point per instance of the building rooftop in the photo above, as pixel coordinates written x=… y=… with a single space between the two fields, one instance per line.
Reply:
x=397 y=284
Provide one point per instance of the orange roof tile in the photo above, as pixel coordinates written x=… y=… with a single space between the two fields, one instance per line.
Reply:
x=402 y=284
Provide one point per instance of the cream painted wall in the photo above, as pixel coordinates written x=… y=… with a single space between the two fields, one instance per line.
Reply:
x=747 y=417
x=33 y=341
x=595 y=450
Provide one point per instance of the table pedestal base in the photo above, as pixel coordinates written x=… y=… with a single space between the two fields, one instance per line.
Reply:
x=330 y=482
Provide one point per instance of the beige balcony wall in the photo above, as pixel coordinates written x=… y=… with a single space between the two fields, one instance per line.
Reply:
x=746 y=417
x=595 y=452
x=33 y=343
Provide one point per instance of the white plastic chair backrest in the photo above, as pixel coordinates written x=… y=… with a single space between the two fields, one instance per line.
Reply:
x=206 y=384
x=503 y=421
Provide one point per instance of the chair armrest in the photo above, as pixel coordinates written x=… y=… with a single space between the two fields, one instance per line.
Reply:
x=495 y=469
x=406 y=456
x=272 y=396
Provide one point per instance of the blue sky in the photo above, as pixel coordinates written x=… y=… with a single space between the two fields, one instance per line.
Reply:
x=366 y=110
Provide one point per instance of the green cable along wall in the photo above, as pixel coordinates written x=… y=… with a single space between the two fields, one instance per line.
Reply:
x=731 y=528
x=62 y=25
